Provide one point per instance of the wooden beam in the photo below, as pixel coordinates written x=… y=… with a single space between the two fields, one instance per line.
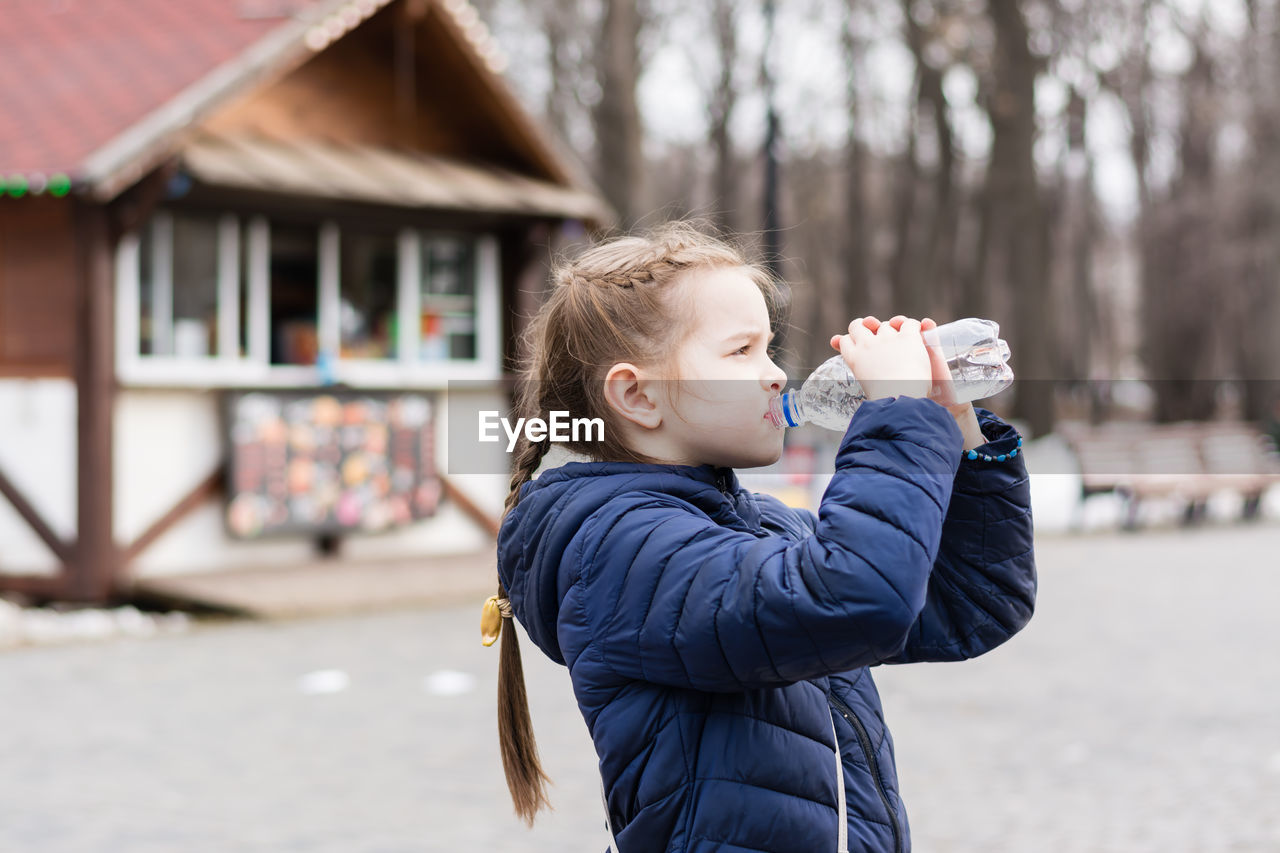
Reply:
x=208 y=488
x=93 y=572
x=18 y=370
x=469 y=507
x=63 y=551
x=43 y=587
x=131 y=209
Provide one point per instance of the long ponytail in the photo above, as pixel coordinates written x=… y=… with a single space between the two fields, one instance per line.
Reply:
x=526 y=780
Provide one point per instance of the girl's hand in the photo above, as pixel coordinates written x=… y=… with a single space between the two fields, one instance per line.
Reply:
x=943 y=387
x=888 y=359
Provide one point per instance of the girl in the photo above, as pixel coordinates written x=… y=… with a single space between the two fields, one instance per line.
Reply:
x=718 y=641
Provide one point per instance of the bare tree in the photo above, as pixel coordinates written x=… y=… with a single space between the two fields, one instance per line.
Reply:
x=903 y=272
x=856 y=242
x=619 y=133
x=1085 y=343
x=1180 y=296
x=817 y=309
x=1255 y=314
x=1015 y=224
x=1084 y=326
x=926 y=213
x=561 y=24
x=721 y=102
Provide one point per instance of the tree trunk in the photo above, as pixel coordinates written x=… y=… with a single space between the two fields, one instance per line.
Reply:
x=617 y=116
x=1085 y=335
x=556 y=28
x=904 y=299
x=1257 y=351
x=926 y=260
x=721 y=104
x=1013 y=119
x=1186 y=261
x=938 y=286
x=856 y=246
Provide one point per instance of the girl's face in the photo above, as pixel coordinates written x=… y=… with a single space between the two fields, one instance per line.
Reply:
x=717 y=413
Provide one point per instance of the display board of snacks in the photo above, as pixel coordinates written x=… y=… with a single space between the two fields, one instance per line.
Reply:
x=328 y=463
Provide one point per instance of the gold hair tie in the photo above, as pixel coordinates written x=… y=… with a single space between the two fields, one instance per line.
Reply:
x=491 y=616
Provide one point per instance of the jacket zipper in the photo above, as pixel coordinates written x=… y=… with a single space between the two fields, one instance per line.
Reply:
x=865 y=740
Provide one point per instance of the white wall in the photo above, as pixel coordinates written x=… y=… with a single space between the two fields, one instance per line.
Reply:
x=38 y=455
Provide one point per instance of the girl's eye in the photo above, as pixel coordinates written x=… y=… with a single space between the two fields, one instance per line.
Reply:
x=742 y=350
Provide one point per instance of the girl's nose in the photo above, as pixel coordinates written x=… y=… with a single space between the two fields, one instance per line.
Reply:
x=775 y=380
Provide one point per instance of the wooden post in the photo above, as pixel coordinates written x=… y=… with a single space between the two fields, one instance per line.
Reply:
x=93 y=573
x=525 y=269
x=207 y=489
x=29 y=514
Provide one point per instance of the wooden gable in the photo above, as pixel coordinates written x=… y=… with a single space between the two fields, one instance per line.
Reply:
x=405 y=80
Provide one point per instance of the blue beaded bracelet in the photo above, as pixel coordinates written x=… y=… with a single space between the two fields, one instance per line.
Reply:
x=973 y=454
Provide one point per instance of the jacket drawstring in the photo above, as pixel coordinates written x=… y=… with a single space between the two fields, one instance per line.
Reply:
x=842 y=817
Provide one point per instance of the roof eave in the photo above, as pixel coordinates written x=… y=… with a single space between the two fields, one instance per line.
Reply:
x=124 y=160
x=551 y=151
x=131 y=155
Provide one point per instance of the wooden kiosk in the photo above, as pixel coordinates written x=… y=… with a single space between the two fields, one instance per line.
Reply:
x=329 y=209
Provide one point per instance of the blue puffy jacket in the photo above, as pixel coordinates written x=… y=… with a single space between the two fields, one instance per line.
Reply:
x=718 y=641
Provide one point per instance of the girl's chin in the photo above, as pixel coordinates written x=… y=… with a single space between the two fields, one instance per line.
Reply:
x=757 y=460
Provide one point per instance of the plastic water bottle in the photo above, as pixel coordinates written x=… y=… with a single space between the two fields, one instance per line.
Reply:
x=972 y=348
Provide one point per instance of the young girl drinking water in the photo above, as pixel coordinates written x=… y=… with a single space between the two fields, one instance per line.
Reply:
x=719 y=642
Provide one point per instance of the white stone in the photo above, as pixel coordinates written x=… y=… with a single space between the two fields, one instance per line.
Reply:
x=449 y=682
x=324 y=681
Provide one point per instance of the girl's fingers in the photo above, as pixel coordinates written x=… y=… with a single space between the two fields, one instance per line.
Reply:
x=874 y=326
x=861 y=332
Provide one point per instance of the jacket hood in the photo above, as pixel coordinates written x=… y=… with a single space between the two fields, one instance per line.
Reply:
x=537 y=533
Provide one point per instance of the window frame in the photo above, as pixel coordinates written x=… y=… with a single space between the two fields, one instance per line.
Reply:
x=244 y=255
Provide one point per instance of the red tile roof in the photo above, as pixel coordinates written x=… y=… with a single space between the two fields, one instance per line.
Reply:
x=75 y=74
x=92 y=92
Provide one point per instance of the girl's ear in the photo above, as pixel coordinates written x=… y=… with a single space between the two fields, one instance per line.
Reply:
x=629 y=392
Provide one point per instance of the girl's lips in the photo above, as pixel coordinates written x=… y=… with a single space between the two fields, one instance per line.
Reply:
x=768 y=412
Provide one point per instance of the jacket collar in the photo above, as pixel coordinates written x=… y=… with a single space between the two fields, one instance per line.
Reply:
x=713 y=489
x=723 y=479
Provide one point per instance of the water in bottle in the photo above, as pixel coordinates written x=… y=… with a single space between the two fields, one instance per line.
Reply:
x=976 y=356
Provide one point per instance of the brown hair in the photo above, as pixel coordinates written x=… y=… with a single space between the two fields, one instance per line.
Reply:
x=612 y=303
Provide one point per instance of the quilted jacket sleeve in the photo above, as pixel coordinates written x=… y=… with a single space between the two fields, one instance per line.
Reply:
x=983 y=586
x=667 y=595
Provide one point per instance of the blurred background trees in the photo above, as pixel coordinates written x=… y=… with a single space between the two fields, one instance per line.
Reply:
x=1102 y=178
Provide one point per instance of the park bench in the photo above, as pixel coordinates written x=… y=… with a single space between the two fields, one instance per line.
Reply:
x=1188 y=461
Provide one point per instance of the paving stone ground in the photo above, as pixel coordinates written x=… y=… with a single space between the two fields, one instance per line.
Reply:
x=1140 y=711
